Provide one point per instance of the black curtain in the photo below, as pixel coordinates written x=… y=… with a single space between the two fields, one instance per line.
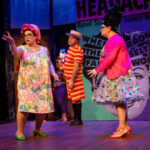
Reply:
x=3 y=95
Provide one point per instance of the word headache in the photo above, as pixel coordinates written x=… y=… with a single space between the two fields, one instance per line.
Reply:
x=91 y=8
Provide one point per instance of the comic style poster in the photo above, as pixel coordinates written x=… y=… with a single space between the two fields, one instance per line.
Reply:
x=135 y=31
x=136 y=34
x=92 y=45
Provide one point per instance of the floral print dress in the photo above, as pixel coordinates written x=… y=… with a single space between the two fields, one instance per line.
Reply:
x=34 y=82
x=120 y=90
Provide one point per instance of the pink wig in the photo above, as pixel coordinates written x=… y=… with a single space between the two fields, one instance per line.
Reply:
x=34 y=29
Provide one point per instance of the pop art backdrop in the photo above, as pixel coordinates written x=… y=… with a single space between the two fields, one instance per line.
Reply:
x=92 y=44
x=136 y=33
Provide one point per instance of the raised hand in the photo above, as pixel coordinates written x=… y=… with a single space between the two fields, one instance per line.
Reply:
x=8 y=38
x=12 y=45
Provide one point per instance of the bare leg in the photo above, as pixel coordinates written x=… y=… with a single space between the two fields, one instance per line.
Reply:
x=122 y=130
x=64 y=117
x=38 y=122
x=121 y=111
x=21 y=120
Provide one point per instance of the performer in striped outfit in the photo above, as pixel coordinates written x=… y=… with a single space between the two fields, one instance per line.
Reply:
x=73 y=75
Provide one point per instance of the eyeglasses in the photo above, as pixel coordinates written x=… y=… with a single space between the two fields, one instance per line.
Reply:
x=28 y=35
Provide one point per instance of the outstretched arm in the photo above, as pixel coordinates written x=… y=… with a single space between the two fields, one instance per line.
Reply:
x=12 y=45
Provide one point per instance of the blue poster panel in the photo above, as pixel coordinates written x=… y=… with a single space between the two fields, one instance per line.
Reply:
x=63 y=12
x=30 y=11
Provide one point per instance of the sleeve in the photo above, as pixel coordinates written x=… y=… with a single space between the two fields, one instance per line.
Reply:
x=47 y=51
x=78 y=56
x=112 y=49
x=101 y=59
x=20 y=50
x=48 y=55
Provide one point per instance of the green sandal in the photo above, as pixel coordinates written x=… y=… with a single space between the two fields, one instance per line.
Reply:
x=22 y=138
x=35 y=133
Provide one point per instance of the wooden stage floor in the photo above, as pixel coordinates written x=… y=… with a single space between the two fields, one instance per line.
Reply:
x=93 y=135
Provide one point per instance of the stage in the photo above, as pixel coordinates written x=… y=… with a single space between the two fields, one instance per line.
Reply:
x=93 y=135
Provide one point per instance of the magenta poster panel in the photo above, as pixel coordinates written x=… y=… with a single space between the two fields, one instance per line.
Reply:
x=95 y=9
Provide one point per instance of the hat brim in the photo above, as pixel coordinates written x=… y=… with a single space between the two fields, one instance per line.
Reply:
x=70 y=34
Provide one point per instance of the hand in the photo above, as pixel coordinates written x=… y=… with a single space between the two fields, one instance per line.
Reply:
x=92 y=73
x=55 y=76
x=71 y=84
x=8 y=38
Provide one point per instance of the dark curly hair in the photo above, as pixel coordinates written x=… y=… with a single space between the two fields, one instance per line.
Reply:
x=113 y=17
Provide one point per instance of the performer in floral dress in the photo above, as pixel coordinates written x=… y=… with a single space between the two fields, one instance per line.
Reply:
x=34 y=81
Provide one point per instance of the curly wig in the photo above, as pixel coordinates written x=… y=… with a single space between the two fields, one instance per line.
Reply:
x=34 y=29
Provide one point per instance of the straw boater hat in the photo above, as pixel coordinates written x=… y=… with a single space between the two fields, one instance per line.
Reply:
x=75 y=34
